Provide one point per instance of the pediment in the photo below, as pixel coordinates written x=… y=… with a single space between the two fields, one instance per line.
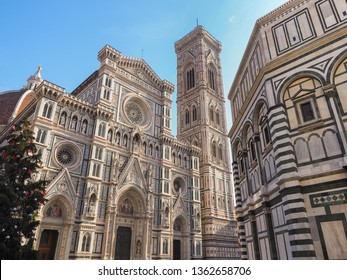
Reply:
x=141 y=70
x=62 y=185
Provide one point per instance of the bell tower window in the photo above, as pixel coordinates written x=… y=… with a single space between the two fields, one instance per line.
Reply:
x=211 y=80
x=190 y=78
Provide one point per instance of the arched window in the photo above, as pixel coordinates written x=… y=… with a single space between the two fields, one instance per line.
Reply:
x=174 y=157
x=167 y=153
x=86 y=243
x=150 y=149
x=47 y=110
x=211 y=114
x=194 y=113
x=220 y=148
x=190 y=78
x=211 y=80
x=214 y=149
x=96 y=170
x=251 y=144
x=157 y=153
x=41 y=136
x=195 y=163
x=102 y=128
x=185 y=162
x=217 y=118
x=144 y=147
x=187 y=117
x=263 y=126
x=106 y=94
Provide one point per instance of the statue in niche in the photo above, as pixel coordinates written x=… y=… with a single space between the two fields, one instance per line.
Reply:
x=138 y=247
x=197 y=221
x=91 y=204
x=150 y=173
x=62 y=119
x=74 y=123
x=116 y=164
x=136 y=145
x=166 y=215
x=84 y=127
x=109 y=135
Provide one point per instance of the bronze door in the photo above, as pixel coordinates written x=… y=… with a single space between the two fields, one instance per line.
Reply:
x=48 y=244
x=123 y=243
x=177 y=249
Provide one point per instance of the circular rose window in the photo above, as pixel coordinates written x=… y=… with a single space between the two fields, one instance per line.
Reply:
x=67 y=154
x=137 y=111
x=134 y=113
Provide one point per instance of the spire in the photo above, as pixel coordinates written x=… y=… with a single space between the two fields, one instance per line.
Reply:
x=34 y=80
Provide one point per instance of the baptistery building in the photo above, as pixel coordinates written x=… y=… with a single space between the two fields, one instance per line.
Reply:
x=289 y=141
x=121 y=186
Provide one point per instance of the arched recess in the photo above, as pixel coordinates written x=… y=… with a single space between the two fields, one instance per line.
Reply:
x=291 y=79
x=131 y=231
x=236 y=148
x=301 y=150
x=340 y=80
x=180 y=240
x=331 y=143
x=256 y=118
x=55 y=229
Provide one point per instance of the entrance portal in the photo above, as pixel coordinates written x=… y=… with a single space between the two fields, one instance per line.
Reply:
x=176 y=249
x=123 y=243
x=48 y=244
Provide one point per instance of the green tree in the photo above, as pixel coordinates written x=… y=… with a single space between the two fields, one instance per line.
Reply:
x=21 y=195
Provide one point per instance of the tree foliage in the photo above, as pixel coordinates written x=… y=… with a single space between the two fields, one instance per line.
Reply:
x=21 y=194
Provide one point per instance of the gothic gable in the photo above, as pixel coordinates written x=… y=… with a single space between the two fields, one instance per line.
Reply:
x=62 y=185
x=179 y=208
x=132 y=174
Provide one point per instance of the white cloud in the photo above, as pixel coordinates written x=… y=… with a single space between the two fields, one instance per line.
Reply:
x=232 y=19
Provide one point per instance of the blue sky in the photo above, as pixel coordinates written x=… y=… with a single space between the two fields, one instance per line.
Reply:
x=65 y=36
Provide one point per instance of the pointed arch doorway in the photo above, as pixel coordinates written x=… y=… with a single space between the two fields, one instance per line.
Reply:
x=131 y=230
x=180 y=241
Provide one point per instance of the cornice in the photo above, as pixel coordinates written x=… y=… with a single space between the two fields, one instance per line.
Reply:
x=199 y=33
x=123 y=62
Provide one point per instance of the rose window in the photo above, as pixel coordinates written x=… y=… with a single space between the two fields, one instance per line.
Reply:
x=65 y=156
x=134 y=113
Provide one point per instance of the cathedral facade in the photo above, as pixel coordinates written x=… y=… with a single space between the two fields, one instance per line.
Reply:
x=121 y=186
x=288 y=137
